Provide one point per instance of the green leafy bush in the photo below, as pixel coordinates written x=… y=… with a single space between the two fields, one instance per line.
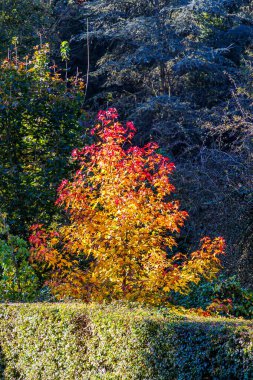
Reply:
x=75 y=341
x=18 y=281
x=29 y=20
x=40 y=123
x=224 y=296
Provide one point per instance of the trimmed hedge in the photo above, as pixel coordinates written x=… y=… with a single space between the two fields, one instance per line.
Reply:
x=75 y=341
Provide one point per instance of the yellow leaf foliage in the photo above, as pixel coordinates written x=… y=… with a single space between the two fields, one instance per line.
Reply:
x=120 y=238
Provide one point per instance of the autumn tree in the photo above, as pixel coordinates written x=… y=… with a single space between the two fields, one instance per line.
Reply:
x=120 y=239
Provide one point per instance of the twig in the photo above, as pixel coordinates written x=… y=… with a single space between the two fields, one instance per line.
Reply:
x=88 y=61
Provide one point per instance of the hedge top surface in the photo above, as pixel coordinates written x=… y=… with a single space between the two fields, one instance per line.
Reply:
x=125 y=310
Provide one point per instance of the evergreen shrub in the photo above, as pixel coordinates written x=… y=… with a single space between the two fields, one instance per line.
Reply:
x=119 y=341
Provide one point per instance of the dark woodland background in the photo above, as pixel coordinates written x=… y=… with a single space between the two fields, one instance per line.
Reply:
x=182 y=71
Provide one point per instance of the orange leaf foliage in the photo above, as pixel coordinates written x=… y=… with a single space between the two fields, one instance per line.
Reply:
x=122 y=224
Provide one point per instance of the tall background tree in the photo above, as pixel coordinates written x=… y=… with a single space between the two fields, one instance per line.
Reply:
x=32 y=21
x=39 y=125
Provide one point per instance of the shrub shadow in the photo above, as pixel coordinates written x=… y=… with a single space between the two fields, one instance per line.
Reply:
x=2 y=364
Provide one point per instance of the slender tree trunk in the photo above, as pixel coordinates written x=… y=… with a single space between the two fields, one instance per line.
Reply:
x=165 y=87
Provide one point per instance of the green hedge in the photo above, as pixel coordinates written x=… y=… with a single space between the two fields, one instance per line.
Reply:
x=75 y=341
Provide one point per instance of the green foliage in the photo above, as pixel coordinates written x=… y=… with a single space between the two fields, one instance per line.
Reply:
x=18 y=281
x=31 y=21
x=65 y=56
x=222 y=296
x=39 y=126
x=209 y=23
x=74 y=341
x=65 y=50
